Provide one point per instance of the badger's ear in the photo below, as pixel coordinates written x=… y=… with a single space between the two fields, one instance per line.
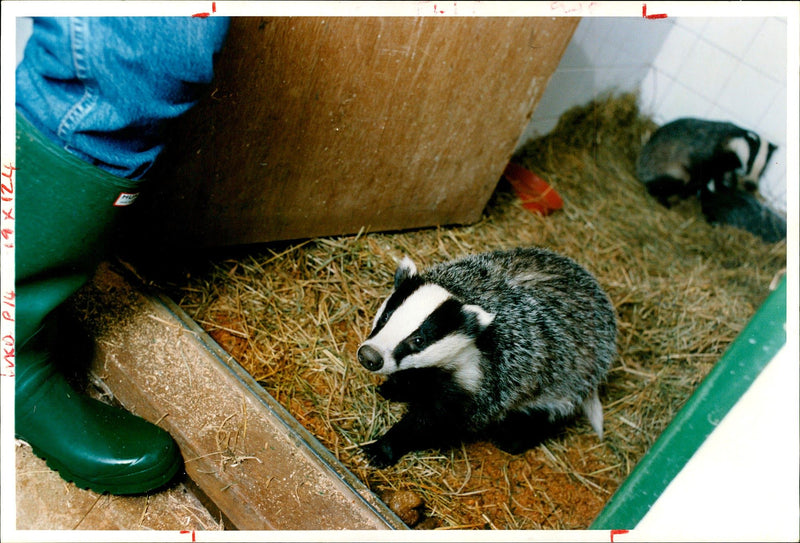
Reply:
x=405 y=269
x=477 y=315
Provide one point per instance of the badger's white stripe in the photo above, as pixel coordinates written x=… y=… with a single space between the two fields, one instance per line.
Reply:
x=742 y=150
x=405 y=319
x=759 y=163
x=456 y=352
x=379 y=313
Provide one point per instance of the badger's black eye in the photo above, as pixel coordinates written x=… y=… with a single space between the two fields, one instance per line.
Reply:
x=413 y=344
x=417 y=341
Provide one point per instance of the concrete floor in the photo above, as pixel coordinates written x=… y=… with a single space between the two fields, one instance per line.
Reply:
x=45 y=501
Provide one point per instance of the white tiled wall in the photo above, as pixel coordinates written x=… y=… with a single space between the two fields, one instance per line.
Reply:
x=730 y=69
x=604 y=53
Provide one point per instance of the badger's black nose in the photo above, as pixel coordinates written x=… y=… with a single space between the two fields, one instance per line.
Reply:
x=370 y=358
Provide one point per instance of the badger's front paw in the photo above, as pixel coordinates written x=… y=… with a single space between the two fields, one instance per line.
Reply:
x=380 y=454
x=393 y=389
x=422 y=385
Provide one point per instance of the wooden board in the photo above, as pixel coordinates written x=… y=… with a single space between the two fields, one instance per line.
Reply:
x=325 y=126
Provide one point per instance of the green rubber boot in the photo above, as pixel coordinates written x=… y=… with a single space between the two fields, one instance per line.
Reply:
x=65 y=212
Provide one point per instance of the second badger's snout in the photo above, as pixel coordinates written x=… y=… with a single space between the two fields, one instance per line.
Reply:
x=370 y=358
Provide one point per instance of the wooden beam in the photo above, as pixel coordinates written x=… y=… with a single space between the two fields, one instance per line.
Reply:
x=248 y=456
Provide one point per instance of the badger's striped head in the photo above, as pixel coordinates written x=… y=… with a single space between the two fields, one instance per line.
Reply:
x=754 y=153
x=421 y=325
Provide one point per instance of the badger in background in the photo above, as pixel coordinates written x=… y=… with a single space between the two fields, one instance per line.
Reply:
x=504 y=345
x=743 y=210
x=694 y=157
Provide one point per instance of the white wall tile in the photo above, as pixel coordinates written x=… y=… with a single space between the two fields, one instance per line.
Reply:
x=619 y=79
x=602 y=54
x=600 y=29
x=733 y=35
x=574 y=58
x=592 y=31
x=773 y=124
x=580 y=31
x=567 y=88
x=765 y=55
x=695 y=25
x=706 y=70
x=675 y=49
x=682 y=101
x=573 y=87
x=647 y=39
x=655 y=86
x=748 y=95
x=773 y=183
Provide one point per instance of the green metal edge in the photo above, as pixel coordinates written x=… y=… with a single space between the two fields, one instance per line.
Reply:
x=730 y=378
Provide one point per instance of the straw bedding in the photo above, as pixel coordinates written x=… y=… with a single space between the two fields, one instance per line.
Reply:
x=293 y=315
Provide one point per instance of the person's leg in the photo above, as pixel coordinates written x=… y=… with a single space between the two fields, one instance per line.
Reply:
x=93 y=97
x=104 y=88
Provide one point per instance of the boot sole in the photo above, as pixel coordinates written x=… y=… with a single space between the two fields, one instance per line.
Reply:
x=140 y=486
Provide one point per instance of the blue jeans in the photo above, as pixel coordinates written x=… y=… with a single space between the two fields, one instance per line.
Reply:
x=103 y=88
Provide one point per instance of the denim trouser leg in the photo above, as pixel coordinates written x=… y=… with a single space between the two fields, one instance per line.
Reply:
x=103 y=87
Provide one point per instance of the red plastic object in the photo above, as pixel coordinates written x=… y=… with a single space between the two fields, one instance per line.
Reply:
x=536 y=195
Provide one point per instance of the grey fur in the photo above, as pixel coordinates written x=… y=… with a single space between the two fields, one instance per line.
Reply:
x=554 y=331
x=546 y=348
x=743 y=210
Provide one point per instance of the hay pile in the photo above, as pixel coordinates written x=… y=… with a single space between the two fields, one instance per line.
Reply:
x=293 y=316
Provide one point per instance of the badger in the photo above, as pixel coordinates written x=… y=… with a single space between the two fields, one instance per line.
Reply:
x=505 y=346
x=744 y=210
x=690 y=157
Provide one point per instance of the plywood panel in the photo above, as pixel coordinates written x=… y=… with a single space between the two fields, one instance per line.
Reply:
x=324 y=126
